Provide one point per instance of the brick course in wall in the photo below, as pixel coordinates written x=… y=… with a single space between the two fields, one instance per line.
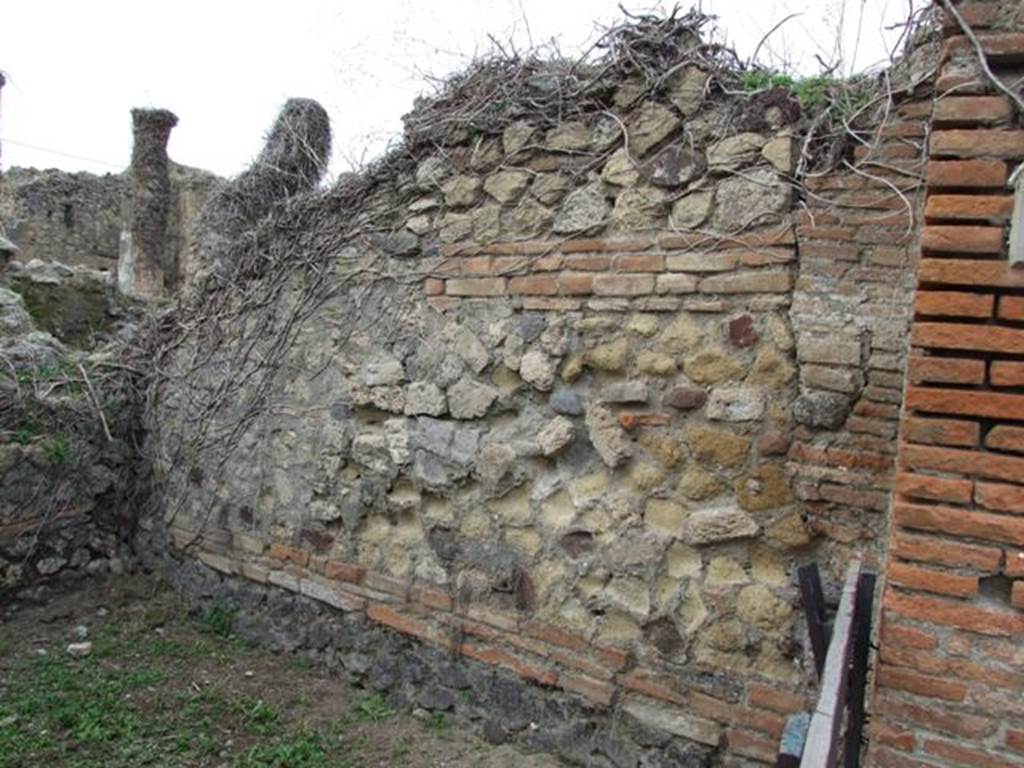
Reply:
x=748 y=722
x=949 y=682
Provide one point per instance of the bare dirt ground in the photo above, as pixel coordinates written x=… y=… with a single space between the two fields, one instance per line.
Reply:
x=162 y=688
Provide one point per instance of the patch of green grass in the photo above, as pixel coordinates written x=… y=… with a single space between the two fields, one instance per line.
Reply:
x=373 y=709
x=59 y=450
x=57 y=702
x=24 y=432
x=301 y=750
x=812 y=92
x=437 y=723
x=218 y=621
x=764 y=80
x=257 y=715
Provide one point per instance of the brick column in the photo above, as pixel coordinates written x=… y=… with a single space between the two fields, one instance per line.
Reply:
x=950 y=681
x=143 y=266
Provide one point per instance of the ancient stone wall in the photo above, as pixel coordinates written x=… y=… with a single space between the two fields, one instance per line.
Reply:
x=72 y=218
x=62 y=472
x=949 y=679
x=544 y=407
x=77 y=219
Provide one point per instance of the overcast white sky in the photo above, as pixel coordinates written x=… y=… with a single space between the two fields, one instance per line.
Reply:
x=76 y=67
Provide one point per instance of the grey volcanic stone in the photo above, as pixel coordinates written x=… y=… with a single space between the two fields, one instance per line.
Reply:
x=581 y=210
x=823 y=410
x=566 y=402
x=469 y=399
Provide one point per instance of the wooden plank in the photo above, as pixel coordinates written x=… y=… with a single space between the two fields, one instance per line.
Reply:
x=1017 y=220
x=823 y=735
x=814 y=611
x=859 y=669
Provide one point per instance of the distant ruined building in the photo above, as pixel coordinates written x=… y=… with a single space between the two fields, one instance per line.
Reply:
x=534 y=421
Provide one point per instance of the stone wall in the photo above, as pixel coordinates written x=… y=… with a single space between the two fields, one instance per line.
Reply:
x=851 y=309
x=77 y=219
x=548 y=414
x=63 y=474
x=949 y=681
x=72 y=218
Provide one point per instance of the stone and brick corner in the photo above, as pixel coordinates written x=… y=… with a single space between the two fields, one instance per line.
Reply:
x=579 y=398
x=949 y=680
x=602 y=399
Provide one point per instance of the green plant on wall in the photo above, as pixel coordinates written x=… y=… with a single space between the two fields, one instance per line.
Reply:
x=59 y=450
x=814 y=93
x=24 y=432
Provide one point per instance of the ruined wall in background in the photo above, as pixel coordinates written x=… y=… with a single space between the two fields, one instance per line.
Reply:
x=73 y=218
x=77 y=218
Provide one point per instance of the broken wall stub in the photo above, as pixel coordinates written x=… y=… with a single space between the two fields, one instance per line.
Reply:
x=64 y=470
x=537 y=396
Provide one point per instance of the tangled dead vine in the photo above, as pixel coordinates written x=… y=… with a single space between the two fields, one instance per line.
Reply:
x=274 y=248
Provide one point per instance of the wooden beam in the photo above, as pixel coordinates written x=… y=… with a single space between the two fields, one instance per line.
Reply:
x=814 y=612
x=859 y=669
x=823 y=735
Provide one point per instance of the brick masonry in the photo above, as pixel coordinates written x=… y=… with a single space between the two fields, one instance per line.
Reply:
x=748 y=720
x=605 y=420
x=949 y=681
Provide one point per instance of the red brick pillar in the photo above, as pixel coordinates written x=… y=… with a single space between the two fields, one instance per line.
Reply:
x=950 y=683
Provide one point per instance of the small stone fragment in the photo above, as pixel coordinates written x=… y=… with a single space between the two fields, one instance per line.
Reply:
x=507 y=186
x=781 y=152
x=611 y=356
x=383 y=370
x=685 y=398
x=673 y=166
x=607 y=435
x=558 y=433
x=566 y=402
x=469 y=399
x=79 y=650
x=424 y=398
x=517 y=136
x=732 y=152
x=649 y=125
x=640 y=208
x=624 y=392
x=538 y=370
x=619 y=170
x=712 y=525
x=686 y=89
x=735 y=404
x=583 y=209
x=757 y=196
x=550 y=188
x=821 y=410
x=461 y=191
x=692 y=210
x=573 y=136
x=742 y=332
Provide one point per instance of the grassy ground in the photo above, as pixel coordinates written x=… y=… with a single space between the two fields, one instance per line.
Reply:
x=162 y=688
